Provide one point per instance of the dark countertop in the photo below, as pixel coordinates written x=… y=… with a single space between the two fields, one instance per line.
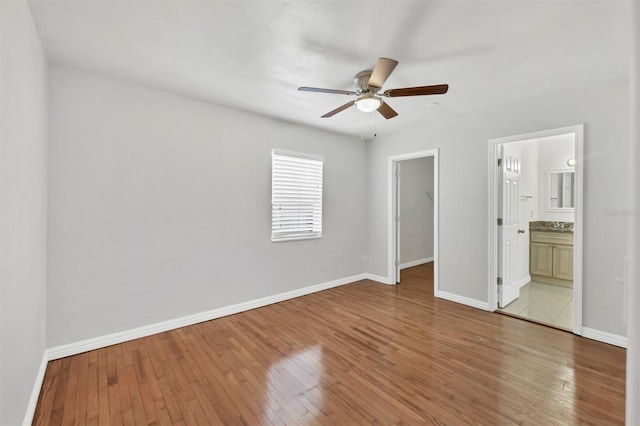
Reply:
x=547 y=226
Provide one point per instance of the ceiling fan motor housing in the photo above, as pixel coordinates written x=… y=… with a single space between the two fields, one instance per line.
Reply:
x=361 y=81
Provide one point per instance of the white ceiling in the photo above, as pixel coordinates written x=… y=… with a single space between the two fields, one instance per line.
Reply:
x=253 y=54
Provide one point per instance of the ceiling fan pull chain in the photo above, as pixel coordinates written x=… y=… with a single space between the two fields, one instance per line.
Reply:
x=375 y=125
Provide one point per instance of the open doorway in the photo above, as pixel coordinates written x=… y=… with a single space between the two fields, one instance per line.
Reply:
x=535 y=236
x=413 y=213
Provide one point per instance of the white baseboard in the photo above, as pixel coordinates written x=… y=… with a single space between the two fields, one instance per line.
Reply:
x=147 y=330
x=379 y=279
x=416 y=262
x=35 y=392
x=526 y=280
x=463 y=300
x=603 y=336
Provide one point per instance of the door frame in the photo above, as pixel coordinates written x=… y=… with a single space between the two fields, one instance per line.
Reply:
x=578 y=133
x=392 y=200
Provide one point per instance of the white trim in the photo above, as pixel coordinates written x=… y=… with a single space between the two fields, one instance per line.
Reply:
x=526 y=280
x=632 y=280
x=391 y=238
x=35 y=392
x=463 y=300
x=379 y=278
x=578 y=235
x=147 y=330
x=416 y=262
x=391 y=206
x=398 y=215
x=603 y=336
x=492 y=237
x=492 y=243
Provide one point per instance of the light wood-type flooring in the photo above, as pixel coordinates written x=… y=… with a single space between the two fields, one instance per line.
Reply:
x=363 y=353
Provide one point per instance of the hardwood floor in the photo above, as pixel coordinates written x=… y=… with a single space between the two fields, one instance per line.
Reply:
x=364 y=353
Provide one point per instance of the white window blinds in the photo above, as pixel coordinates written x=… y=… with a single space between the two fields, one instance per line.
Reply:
x=296 y=196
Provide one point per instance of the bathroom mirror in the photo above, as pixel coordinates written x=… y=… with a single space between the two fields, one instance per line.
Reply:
x=560 y=190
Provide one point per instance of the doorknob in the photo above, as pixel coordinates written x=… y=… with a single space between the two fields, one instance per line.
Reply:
x=520 y=231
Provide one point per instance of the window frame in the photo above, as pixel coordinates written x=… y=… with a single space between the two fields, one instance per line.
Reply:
x=287 y=207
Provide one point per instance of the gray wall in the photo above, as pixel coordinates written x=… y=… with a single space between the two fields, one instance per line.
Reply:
x=633 y=226
x=463 y=191
x=416 y=209
x=160 y=207
x=23 y=197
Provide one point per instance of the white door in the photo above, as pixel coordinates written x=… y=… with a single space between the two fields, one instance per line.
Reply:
x=509 y=198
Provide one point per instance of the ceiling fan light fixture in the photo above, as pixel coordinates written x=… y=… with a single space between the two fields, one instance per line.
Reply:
x=368 y=103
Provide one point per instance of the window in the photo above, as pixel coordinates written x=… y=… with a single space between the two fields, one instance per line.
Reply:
x=296 y=196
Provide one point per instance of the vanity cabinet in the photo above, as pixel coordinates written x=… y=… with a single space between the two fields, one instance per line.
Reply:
x=551 y=257
x=541 y=259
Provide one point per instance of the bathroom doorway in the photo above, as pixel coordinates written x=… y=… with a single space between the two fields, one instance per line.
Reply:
x=535 y=208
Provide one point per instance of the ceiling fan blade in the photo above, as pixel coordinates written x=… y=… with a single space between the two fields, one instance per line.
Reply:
x=381 y=72
x=439 y=89
x=317 y=89
x=339 y=109
x=386 y=111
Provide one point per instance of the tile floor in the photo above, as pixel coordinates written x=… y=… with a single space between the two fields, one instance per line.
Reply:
x=545 y=303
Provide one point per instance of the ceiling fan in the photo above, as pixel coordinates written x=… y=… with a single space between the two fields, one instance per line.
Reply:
x=368 y=84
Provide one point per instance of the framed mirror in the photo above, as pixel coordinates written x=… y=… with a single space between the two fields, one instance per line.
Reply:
x=560 y=190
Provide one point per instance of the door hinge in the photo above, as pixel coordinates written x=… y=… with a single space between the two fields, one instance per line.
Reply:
x=499 y=162
x=397 y=263
x=397 y=219
x=499 y=280
x=499 y=221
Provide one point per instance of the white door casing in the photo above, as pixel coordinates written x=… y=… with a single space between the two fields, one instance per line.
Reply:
x=493 y=239
x=393 y=241
x=397 y=201
x=508 y=200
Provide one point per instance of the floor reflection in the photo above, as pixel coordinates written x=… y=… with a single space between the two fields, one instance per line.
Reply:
x=295 y=391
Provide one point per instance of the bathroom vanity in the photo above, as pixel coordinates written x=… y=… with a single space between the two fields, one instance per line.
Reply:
x=551 y=252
